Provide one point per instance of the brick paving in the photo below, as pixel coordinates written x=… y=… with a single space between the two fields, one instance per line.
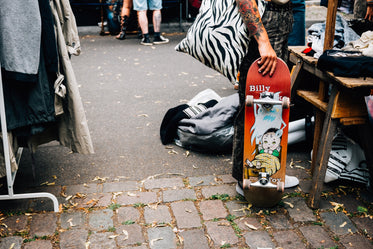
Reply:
x=188 y=213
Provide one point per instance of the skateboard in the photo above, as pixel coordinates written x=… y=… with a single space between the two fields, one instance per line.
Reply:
x=266 y=134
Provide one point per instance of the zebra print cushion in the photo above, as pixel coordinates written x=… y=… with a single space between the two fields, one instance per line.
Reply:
x=218 y=37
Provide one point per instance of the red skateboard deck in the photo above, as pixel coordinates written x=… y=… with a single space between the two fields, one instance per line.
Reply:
x=266 y=135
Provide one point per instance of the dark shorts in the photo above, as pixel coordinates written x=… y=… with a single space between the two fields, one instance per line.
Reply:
x=278 y=21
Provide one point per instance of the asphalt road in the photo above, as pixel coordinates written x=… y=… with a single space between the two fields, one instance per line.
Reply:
x=126 y=89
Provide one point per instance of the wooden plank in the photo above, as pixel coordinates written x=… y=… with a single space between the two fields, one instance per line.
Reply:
x=319 y=120
x=313 y=98
x=353 y=121
x=331 y=17
x=295 y=79
x=351 y=82
x=349 y=105
x=323 y=152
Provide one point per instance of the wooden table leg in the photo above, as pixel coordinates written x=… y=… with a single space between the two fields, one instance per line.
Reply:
x=323 y=151
x=294 y=77
x=319 y=120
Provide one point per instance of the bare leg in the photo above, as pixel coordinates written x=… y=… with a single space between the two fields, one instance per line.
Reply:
x=143 y=21
x=157 y=19
x=126 y=10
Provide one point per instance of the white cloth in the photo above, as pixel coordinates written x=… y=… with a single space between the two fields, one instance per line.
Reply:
x=364 y=44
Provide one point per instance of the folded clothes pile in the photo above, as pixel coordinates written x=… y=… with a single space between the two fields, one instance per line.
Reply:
x=204 y=124
x=347 y=161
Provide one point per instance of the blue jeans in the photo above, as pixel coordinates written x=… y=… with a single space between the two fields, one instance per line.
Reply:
x=114 y=25
x=298 y=36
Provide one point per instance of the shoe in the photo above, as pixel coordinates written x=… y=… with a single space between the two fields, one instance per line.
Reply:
x=160 y=40
x=290 y=182
x=239 y=189
x=146 y=41
x=123 y=28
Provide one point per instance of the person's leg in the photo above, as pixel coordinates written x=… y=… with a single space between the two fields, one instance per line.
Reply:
x=157 y=19
x=141 y=6
x=298 y=36
x=112 y=24
x=143 y=21
x=127 y=6
x=144 y=25
x=156 y=6
x=124 y=16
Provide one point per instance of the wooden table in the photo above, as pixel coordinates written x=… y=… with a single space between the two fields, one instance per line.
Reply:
x=337 y=100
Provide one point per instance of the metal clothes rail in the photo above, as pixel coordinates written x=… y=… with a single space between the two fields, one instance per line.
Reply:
x=10 y=176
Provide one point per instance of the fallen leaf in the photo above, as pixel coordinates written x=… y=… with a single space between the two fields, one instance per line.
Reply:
x=181 y=239
x=132 y=194
x=126 y=235
x=343 y=224
x=155 y=240
x=226 y=224
x=250 y=226
x=62 y=193
x=290 y=204
x=102 y=179
x=336 y=206
x=91 y=201
x=172 y=152
x=70 y=221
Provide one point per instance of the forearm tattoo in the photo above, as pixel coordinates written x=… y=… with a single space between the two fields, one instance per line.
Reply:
x=250 y=15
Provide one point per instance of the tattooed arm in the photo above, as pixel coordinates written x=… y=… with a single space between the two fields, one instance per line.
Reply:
x=250 y=15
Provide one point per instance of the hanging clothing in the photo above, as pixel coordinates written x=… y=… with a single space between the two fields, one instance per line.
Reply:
x=70 y=127
x=20 y=37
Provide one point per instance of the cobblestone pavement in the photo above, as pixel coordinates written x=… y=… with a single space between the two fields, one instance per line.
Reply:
x=175 y=211
x=180 y=211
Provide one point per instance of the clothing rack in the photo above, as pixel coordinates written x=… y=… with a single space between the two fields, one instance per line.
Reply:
x=10 y=176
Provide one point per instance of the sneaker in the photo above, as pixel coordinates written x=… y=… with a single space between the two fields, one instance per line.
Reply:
x=146 y=41
x=290 y=181
x=239 y=189
x=160 y=40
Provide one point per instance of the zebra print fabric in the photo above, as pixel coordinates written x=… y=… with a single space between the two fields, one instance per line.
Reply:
x=218 y=37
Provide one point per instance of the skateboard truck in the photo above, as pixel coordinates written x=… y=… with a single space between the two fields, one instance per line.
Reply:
x=263 y=182
x=267 y=100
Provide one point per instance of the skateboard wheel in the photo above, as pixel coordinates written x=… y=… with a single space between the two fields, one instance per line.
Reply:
x=246 y=183
x=249 y=100
x=285 y=102
x=280 y=186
